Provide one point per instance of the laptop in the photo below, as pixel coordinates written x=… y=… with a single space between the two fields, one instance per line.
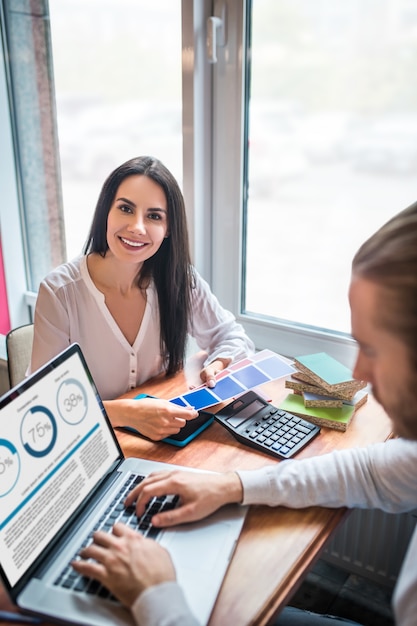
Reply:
x=61 y=468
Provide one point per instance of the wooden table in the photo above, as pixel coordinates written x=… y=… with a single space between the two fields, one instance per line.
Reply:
x=277 y=545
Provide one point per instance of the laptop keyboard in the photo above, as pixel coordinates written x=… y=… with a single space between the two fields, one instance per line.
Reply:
x=116 y=512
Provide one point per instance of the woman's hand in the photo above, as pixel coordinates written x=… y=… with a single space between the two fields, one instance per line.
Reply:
x=125 y=562
x=208 y=374
x=200 y=494
x=153 y=418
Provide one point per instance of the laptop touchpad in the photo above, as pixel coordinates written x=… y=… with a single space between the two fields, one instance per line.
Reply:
x=197 y=540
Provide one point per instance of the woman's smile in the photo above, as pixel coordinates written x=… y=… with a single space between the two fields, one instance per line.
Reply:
x=137 y=222
x=131 y=243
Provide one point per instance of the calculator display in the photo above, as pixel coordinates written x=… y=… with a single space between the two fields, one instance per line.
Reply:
x=259 y=424
x=247 y=411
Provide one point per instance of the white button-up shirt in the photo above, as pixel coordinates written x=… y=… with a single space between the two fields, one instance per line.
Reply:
x=70 y=309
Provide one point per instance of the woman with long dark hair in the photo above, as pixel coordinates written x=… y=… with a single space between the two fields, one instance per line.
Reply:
x=133 y=298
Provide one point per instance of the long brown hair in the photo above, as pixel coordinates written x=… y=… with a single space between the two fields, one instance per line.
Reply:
x=170 y=267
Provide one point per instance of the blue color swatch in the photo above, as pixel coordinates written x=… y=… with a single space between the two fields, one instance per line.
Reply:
x=251 y=376
x=266 y=366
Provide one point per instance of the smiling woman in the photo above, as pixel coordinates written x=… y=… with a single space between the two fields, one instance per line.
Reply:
x=137 y=225
x=133 y=297
x=137 y=219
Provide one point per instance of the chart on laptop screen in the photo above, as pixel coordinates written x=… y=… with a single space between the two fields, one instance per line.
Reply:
x=55 y=445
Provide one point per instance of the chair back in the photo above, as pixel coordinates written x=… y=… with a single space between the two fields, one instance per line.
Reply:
x=19 y=351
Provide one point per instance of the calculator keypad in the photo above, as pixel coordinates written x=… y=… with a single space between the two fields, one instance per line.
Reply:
x=278 y=432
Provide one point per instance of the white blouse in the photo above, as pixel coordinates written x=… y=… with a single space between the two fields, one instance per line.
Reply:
x=69 y=308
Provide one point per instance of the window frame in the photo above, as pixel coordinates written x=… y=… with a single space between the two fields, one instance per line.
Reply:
x=196 y=130
x=229 y=86
x=10 y=208
x=27 y=140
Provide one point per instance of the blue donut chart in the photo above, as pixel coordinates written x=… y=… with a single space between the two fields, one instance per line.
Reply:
x=72 y=401
x=6 y=463
x=43 y=414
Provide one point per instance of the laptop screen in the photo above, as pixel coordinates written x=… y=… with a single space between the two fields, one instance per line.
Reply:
x=55 y=447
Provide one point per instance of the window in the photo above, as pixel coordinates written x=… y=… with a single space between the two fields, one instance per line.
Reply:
x=30 y=217
x=291 y=148
x=328 y=120
x=118 y=91
x=122 y=73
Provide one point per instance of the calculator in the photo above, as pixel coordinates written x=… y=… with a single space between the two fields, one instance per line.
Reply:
x=257 y=423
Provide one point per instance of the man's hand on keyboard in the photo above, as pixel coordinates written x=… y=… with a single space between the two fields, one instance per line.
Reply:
x=200 y=494
x=125 y=562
